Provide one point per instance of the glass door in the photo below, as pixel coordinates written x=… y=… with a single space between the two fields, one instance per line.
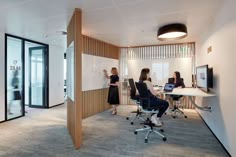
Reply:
x=14 y=78
x=37 y=77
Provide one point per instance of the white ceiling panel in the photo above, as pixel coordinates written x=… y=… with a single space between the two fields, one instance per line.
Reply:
x=92 y=5
x=120 y=22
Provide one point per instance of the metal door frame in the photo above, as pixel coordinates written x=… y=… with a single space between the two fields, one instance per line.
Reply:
x=23 y=71
x=45 y=84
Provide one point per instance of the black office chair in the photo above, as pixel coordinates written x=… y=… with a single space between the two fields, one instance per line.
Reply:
x=135 y=98
x=145 y=107
x=177 y=99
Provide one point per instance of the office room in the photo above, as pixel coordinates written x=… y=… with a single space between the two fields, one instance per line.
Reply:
x=132 y=89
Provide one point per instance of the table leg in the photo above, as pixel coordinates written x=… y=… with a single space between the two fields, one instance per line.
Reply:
x=207 y=108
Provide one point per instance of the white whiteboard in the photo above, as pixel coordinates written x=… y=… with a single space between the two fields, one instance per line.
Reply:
x=92 y=71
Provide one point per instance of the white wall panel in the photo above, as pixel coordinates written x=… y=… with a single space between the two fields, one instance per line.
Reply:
x=221 y=37
x=56 y=75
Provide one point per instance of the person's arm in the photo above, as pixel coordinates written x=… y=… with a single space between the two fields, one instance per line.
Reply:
x=150 y=87
x=105 y=73
x=181 y=84
x=114 y=84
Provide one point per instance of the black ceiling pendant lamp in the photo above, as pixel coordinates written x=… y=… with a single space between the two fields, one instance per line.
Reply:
x=172 y=32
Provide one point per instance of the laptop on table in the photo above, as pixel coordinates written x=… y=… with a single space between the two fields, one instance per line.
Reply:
x=169 y=87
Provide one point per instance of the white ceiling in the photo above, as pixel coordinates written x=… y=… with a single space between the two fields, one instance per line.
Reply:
x=120 y=22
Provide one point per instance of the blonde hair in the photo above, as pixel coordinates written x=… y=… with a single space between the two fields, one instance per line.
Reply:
x=114 y=70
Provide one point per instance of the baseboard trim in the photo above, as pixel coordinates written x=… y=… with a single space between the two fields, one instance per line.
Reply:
x=214 y=134
x=56 y=105
x=2 y=121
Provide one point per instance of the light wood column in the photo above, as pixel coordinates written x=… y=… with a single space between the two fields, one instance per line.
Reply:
x=74 y=108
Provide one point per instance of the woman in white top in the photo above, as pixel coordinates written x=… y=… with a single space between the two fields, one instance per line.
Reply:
x=155 y=102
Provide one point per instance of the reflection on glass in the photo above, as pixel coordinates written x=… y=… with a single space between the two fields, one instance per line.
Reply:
x=14 y=78
x=70 y=71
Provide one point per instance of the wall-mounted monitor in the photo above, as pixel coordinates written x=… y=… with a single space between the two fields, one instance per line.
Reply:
x=204 y=78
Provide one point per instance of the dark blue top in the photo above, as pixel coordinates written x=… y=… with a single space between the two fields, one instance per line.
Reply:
x=114 y=79
x=179 y=83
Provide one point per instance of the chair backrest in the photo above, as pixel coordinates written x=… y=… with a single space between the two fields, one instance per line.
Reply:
x=170 y=80
x=142 y=89
x=144 y=94
x=133 y=88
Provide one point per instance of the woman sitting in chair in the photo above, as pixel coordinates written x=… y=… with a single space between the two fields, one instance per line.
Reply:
x=178 y=82
x=155 y=102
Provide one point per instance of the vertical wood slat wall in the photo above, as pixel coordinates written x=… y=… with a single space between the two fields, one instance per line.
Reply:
x=74 y=108
x=188 y=104
x=95 y=101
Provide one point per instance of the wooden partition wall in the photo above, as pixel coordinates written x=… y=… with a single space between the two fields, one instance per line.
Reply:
x=95 y=101
x=74 y=108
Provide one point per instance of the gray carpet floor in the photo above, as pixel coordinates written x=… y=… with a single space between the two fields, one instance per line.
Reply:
x=43 y=133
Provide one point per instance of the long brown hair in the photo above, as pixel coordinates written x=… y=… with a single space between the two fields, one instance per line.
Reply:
x=114 y=71
x=143 y=75
x=178 y=77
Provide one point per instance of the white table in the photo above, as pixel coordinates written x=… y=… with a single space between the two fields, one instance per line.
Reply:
x=190 y=92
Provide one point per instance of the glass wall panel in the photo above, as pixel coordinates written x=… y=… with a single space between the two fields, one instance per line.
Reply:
x=25 y=85
x=70 y=71
x=37 y=77
x=14 y=78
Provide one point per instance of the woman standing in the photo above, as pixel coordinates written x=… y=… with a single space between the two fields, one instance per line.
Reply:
x=113 y=94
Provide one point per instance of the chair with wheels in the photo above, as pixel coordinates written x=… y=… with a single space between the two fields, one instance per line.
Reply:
x=145 y=107
x=135 y=98
x=178 y=106
x=177 y=101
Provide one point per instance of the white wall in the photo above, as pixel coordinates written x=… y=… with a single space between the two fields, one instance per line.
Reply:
x=2 y=77
x=222 y=38
x=56 y=75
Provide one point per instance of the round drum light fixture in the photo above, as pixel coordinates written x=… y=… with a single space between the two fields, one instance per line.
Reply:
x=172 y=31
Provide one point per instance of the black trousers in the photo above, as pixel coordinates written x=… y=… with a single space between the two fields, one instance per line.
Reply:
x=159 y=104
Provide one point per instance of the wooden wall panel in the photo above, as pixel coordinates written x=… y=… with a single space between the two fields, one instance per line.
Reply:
x=188 y=104
x=74 y=108
x=99 y=48
x=95 y=101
